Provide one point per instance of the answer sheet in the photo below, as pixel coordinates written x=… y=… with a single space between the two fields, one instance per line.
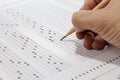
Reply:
x=30 y=46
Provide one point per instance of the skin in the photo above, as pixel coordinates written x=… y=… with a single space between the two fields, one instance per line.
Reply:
x=98 y=27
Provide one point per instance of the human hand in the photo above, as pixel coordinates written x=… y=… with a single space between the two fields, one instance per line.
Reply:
x=87 y=20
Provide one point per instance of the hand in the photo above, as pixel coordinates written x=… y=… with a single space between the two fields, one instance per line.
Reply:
x=98 y=24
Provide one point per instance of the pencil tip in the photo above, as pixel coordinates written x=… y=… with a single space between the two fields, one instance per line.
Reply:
x=63 y=38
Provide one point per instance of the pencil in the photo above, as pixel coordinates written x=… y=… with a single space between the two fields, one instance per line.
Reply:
x=99 y=6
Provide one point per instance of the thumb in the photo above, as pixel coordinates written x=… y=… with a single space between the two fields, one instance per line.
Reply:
x=86 y=20
x=88 y=5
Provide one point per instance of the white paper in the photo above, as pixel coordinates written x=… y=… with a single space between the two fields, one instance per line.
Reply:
x=30 y=46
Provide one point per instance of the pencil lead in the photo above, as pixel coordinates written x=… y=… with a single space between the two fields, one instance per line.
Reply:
x=63 y=38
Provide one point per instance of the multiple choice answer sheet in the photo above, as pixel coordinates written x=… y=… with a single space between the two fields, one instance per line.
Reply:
x=30 y=46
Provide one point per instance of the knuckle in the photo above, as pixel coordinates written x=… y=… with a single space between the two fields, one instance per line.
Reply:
x=100 y=22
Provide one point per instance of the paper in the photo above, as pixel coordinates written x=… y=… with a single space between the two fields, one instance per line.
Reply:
x=30 y=46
